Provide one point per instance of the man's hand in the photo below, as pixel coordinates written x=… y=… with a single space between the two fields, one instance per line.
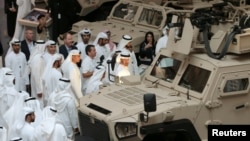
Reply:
x=12 y=9
x=40 y=95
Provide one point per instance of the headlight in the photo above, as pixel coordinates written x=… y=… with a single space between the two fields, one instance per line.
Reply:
x=125 y=129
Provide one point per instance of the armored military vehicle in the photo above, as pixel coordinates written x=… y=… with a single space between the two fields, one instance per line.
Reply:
x=200 y=79
x=134 y=18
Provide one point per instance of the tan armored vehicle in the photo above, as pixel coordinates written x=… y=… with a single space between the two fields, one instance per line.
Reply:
x=200 y=79
x=134 y=18
x=88 y=6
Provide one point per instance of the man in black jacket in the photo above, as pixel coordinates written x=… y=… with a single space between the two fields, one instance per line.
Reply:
x=67 y=46
x=28 y=44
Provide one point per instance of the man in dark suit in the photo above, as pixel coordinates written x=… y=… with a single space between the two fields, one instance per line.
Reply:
x=67 y=46
x=28 y=44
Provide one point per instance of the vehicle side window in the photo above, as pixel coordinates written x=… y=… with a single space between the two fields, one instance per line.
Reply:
x=166 y=68
x=125 y=11
x=236 y=85
x=151 y=17
x=195 y=78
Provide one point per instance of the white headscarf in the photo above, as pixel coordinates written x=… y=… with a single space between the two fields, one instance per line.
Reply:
x=62 y=87
x=99 y=36
x=124 y=41
x=49 y=43
x=85 y=31
x=13 y=41
x=13 y=112
x=3 y=71
x=69 y=59
x=33 y=103
x=95 y=80
x=39 y=49
x=8 y=79
x=50 y=64
x=47 y=125
x=60 y=94
x=21 y=119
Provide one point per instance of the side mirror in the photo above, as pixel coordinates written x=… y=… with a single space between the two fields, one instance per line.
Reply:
x=149 y=106
x=149 y=102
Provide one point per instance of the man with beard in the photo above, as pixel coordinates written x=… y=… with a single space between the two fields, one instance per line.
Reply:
x=16 y=61
x=51 y=76
x=83 y=41
x=101 y=50
x=70 y=70
x=22 y=126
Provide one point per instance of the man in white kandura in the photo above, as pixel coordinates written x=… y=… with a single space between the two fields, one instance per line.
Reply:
x=88 y=66
x=162 y=42
x=51 y=76
x=8 y=93
x=101 y=50
x=122 y=68
x=36 y=68
x=22 y=127
x=51 y=128
x=71 y=71
x=16 y=60
x=64 y=103
x=51 y=49
x=83 y=41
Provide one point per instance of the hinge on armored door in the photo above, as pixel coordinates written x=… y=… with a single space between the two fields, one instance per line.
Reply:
x=213 y=104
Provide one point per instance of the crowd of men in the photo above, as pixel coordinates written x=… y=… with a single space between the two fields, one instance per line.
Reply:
x=41 y=83
x=40 y=77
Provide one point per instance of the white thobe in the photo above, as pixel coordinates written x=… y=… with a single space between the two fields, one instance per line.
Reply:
x=122 y=71
x=7 y=97
x=101 y=50
x=35 y=105
x=51 y=82
x=47 y=57
x=26 y=132
x=72 y=72
x=161 y=43
x=18 y=63
x=66 y=111
x=81 y=46
x=3 y=134
x=95 y=81
x=36 y=71
x=50 y=130
x=24 y=7
x=133 y=67
x=88 y=65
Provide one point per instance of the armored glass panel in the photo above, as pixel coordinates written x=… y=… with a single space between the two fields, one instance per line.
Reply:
x=195 y=78
x=236 y=85
x=125 y=11
x=150 y=17
x=166 y=68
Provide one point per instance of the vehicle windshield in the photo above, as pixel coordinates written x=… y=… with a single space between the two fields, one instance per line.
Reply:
x=125 y=11
x=151 y=17
x=166 y=68
x=195 y=78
